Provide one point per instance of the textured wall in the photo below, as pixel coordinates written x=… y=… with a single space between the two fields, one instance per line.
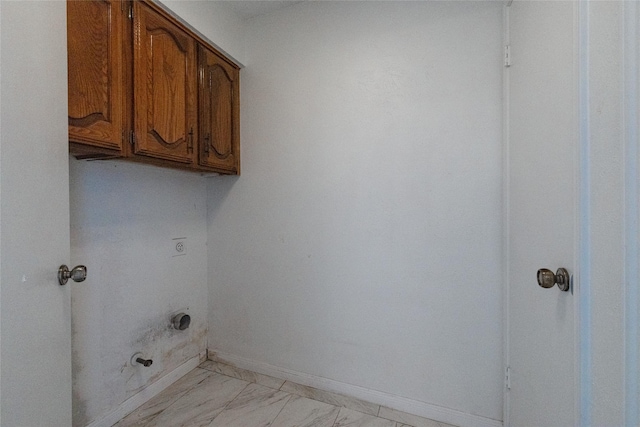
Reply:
x=123 y=219
x=363 y=241
x=215 y=21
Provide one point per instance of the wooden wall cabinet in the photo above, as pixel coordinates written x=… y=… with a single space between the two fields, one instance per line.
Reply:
x=95 y=43
x=144 y=87
x=165 y=96
x=219 y=111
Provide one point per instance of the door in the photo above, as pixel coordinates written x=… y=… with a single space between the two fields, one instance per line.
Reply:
x=219 y=111
x=164 y=82
x=35 y=317
x=542 y=212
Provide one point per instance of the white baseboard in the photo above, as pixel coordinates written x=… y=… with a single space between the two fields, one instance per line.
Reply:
x=415 y=407
x=146 y=394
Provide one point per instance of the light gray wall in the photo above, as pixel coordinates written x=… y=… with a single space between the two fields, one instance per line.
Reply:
x=215 y=21
x=123 y=219
x=362 y=243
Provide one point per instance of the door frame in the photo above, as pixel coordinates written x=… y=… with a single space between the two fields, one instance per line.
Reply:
x=582 y=278
x=631 y=85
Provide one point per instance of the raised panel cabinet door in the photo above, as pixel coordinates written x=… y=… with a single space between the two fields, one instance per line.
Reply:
x=219 y=111
x=165 y=80
x=95 y=32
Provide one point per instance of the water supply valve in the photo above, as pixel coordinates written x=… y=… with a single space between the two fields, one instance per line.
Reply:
x=137 y=359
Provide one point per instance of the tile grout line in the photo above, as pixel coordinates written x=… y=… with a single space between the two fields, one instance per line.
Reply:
x=281 y=409
x=377 y=414
x=335 y=420
x=249 y=383
x=229 y=402
x=180 y=396
x=211 y=371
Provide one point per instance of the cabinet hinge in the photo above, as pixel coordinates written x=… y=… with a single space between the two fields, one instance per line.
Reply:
x=132 y=138
x=507 y=378
x=507 y=56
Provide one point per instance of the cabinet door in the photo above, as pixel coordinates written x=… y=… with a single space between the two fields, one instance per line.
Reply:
x=95 y=43
x=219 y=112
x=164 y=87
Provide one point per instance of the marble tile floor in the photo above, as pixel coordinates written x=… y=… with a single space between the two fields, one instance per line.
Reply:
x=219 y=395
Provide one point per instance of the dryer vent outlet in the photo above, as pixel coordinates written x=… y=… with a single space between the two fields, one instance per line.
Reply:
x=181 y=321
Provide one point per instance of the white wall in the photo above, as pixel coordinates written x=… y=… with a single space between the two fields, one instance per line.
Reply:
x=362 y=243
x=215 y=21
x=123 y=219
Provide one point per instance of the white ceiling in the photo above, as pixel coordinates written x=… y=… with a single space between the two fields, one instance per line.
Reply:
x=250 y=8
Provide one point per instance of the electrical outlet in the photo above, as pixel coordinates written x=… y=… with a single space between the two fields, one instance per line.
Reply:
x=179 y=246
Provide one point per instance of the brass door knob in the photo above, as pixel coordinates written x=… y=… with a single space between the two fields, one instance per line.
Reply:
x=77 y=274
x=547 y=279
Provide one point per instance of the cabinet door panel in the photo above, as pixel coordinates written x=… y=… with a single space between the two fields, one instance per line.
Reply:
x=219 y=113
x=96 y=72
x=164 y=88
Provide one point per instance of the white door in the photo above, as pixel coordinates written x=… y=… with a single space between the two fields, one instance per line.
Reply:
x=35 y=316
x=542 y=212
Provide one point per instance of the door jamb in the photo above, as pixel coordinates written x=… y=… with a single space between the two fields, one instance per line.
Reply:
x=631 y=120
